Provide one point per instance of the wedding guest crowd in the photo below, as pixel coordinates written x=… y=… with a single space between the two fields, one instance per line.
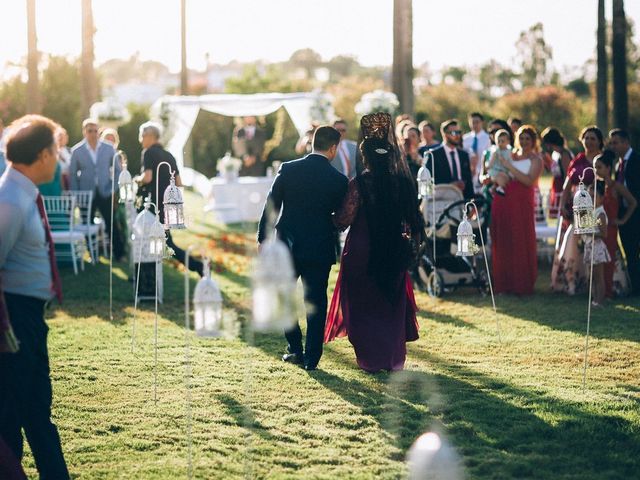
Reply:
x=464 y=160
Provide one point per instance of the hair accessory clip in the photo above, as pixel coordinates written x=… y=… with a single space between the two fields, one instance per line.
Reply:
x=381 y=151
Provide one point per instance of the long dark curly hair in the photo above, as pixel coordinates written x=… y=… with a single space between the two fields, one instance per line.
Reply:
x=390 y=202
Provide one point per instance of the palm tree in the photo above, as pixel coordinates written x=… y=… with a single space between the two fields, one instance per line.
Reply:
x=33 y=87
x=602 y=78
x=184 y=80
x=87 y=71
x=402 y=69
x=619 y=53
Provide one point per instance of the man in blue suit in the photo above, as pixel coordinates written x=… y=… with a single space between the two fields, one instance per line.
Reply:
x=90 y=169
x=306 y=192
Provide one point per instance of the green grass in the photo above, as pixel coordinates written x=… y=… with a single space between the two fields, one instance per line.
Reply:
x=511 y=410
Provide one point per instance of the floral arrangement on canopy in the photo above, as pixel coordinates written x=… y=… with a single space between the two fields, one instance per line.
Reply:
x=109 y=113
x=228 y=166
x=377 y=101
x=321 y=110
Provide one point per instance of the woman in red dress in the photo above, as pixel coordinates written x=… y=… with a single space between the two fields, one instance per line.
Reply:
x=513 y=235
x=373 y=301
x=614 y=192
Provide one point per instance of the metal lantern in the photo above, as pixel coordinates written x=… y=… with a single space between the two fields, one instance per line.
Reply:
x=156 y=239
x=274 y=288
x=584 y=220
x=125 y=185
x=466 y=239
x=148 y=236
x=207 y=301
x=173 y=206
x=425 y=182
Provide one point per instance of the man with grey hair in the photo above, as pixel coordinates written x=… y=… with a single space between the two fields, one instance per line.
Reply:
x=90 y=169
x=153 y=154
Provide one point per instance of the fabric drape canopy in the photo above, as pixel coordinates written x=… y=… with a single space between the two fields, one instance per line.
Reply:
x=181 y=112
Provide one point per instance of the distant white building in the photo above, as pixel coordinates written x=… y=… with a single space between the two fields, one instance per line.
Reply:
x=142 y=93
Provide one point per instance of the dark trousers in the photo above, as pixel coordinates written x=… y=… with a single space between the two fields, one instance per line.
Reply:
x=630 y=237
x=179 y=254
x=314 y=280
x=103 y=205
x=25 y=390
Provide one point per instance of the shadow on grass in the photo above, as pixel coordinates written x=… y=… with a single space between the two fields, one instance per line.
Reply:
x=521 y=433
x=619 y=320
x=445 y=319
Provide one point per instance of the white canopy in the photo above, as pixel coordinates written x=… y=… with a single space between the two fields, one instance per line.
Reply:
x=182 y=111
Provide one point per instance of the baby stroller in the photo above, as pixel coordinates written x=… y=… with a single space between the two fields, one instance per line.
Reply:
x=438 y=269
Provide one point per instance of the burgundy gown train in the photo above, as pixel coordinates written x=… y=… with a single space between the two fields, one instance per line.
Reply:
x=377 y=328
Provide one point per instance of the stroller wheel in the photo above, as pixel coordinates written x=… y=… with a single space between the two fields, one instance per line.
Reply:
x=435 y=284
x=422 y=276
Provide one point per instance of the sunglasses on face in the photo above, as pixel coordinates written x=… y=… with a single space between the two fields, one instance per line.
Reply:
x=455 y=132
x=92 y=130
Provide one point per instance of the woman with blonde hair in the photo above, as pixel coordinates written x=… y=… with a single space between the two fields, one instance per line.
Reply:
x=513 y=235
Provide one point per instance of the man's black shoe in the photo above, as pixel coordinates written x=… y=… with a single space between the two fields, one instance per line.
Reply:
x=292 y=358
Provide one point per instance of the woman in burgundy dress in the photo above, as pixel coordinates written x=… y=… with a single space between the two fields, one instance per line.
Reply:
x=513 y=235
x=373 y=301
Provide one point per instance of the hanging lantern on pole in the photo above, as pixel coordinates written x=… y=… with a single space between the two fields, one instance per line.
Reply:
x=156 y=240
x=274 y=288
x=466 y=239
x=125 y=185
x=173 y=206
x=584 y=220
x=207 y=302
x=425 y=182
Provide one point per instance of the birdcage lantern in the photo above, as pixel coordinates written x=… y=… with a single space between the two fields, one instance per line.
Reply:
x=125 y=186
x=156 y=240
x=584 y=220
x=425 y=182
x=207 y=302
x=173 y=206
x=466 y=238
x=148 y=236
x=274 y=288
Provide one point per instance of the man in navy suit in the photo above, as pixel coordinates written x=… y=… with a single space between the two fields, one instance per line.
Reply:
x=628 y=173
x=306 y=192
x=90 y=169
x=451 y=163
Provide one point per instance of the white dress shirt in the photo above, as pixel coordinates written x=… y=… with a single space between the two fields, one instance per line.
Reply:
x=448 y=150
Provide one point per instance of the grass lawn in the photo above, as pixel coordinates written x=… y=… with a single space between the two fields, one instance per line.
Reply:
x=511 y=410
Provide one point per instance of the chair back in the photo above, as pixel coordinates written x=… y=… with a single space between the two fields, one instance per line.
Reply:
x=83 y=199
x=60 y=211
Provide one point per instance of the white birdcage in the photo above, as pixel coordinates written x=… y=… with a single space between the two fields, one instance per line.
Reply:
x=425 y=182
x=173 y=206
x=583 y=218
x=147 y=237
x=125 y=186
x=207 y=301
x=274 y=288
x=466 y=239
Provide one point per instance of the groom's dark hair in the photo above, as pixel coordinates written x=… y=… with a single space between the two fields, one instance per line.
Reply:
x=325 y=137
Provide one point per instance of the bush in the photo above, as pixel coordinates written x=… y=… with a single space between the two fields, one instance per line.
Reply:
x=544 y=106
x=438 y=103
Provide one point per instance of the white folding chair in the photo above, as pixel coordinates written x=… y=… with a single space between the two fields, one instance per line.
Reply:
x=69 y=242
x=86 y=225
x=545 y=233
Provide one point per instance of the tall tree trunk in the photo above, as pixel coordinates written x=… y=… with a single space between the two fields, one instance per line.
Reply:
x=620 y=96
x=33 y=86
x=602 y=115
x=184 y=79
x=402 y=69
x=87 y=71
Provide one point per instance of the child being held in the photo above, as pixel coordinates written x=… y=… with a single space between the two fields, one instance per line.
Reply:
x=596 y=245
x=496 y=170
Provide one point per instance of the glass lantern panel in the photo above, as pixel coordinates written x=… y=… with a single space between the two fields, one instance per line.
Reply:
x=212 y=317
x=198 y=317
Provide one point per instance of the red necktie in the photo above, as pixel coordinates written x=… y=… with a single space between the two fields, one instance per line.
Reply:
x=56 y=285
